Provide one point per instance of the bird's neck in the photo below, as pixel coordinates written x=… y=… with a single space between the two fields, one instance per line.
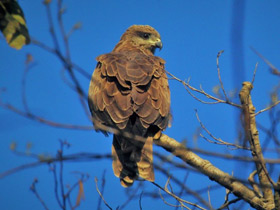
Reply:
x=126 y=46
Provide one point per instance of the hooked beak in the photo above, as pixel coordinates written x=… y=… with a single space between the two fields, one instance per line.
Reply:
x=159 y=44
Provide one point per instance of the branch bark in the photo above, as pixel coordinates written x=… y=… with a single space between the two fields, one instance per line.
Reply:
x=252 y=135
x=214 y=173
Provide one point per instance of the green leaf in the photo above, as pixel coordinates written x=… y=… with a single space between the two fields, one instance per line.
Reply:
x=12 y=24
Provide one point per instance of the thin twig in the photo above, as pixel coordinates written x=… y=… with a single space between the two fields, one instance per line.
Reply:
x=66 y=61
x=61 y=181
x=165 y=189
x=229 y=203
x=83 y=179
x=219 y=74
x=194 y=194
x=196 y=98
x=253 y=183
x=79 y=69
x=46 y=160
x=215 y=99
x=217 y=140
x=102 y=190
x=96 y=185
x=53 y=169
x=254 y=75
x=182 y=188
x=28 y=66
x=273 y=69
x=39 y=119
x=19 y=168
x=34 y=190
x=268 y=108
x=131 y=195
x=60 y=12
x=170 y=204
x=209 y=197
x=51 y=27
x=140 y=201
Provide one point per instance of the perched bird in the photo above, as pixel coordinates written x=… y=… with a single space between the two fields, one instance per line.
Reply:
x=129 y=92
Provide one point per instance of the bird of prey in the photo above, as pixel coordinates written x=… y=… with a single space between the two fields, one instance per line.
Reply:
x=129 y=92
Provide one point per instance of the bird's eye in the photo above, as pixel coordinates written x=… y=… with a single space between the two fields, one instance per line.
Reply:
x=146 y=36
x=143 y=35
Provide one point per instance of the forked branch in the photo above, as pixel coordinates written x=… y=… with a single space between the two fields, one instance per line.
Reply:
x=252 y=135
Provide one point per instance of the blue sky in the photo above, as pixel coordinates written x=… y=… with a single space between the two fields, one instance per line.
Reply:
x=192 y=32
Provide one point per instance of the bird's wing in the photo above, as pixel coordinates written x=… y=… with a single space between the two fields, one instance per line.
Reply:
x=123 y=84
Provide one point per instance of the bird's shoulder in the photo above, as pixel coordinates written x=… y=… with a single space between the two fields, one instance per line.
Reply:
x=130 y=66
x=129 y=56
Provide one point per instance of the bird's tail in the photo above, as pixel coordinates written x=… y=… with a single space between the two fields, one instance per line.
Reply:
x=132 y=159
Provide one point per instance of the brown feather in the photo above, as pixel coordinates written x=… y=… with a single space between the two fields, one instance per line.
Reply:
x=123 y=101
x=145 y=165
x=114 y=114
x=154 y=93
x=145 y=109
x=139 y=98
x=111 y=88
x=157 y=103
x=129 y=91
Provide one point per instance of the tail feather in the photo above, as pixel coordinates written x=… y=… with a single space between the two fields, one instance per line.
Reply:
x=145 y=165
x=131 y=161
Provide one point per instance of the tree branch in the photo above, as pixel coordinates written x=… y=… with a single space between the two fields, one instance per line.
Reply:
x=252 y=135
x=215 y=174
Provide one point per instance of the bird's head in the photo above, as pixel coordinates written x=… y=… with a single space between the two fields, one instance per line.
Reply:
x=143 y=36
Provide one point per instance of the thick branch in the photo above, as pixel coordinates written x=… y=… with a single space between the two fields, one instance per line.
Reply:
x=252 y=136
x=215 y=174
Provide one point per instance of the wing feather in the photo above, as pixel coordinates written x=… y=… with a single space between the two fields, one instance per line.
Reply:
x=123 y=101
x=127 y=83
x=111 y=88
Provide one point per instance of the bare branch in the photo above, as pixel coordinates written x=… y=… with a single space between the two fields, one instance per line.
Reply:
x=102 y=190
x=96 y=185
x=79 y=69
x=196 y=98
x=273 y=69
x=189 y=191
x=253 y=138
x=140 y=201
x=215 y=99
x=132 y=195
x=34 y=190
x=217 y=140
x=28 y=66
x=39 y=119
x=51 y=27
x=215 y=174
x=46 y=160
x=253 y=183
x=165 y=189
x=53 y=169
x=267 y=108
x=254 y=74
x=226 y=204
x=209 y=197
x=61 y=179
x=219 y=74
x=83 y=178
x=182 y=188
